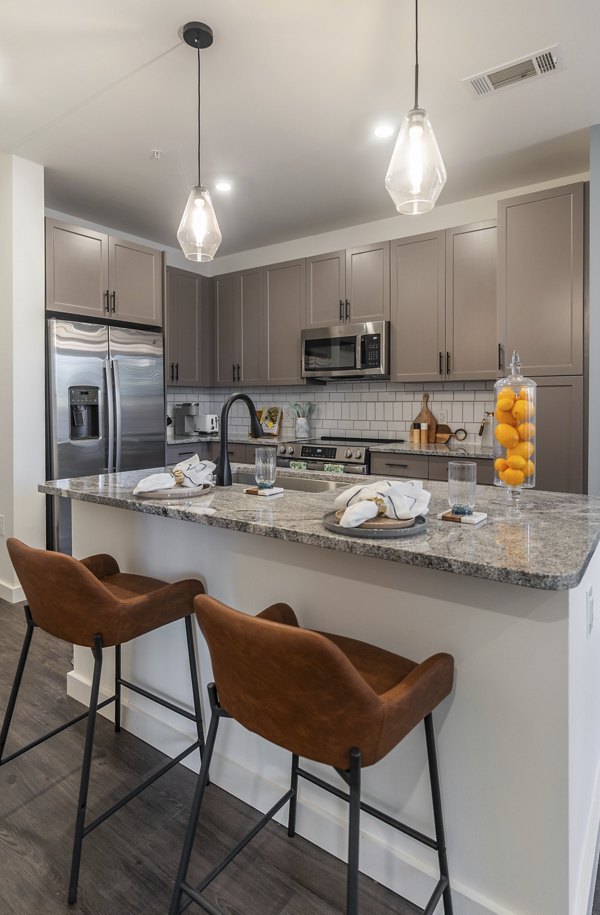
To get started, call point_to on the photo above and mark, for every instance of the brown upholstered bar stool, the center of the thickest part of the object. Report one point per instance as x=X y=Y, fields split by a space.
x=92 y=603
x=329 y=698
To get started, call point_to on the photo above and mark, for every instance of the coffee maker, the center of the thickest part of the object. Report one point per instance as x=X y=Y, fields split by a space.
x=186 y=418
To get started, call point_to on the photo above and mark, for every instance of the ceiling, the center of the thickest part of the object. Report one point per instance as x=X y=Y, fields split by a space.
x=291 y=92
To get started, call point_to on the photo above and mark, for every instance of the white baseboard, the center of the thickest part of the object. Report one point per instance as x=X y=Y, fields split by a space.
x=11 y=593
x=406 y=875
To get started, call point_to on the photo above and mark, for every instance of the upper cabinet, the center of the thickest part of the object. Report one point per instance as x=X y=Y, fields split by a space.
x=189 y=323
x=284 y=293
x=471 y=335
x=540 y=280
x=226 y=334
x=92 y=274
x=350 y=286
x=418 y=277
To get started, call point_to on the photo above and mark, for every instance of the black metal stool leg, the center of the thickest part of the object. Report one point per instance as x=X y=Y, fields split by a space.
x=353 y=833
x=85 y=771
x=188 y=844
x=294 y=797
x=437 y=810
x=16 y=682
x=195 y=684
x=117 y=688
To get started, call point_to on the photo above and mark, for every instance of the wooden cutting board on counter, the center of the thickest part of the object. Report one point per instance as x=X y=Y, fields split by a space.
x=426 y=416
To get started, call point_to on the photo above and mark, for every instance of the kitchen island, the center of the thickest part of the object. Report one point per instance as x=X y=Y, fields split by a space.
x=519 y=738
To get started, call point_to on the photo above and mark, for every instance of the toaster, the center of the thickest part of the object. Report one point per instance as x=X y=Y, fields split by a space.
x=208 y=422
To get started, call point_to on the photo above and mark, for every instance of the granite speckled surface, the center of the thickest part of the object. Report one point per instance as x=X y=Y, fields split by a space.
x=547 y=545
x=233 y=438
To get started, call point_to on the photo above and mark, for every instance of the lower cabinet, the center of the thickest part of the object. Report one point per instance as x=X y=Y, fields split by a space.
x=177 y=453
x=560 y=437
x=422 y=467
x=237 y=452
x=438 y=469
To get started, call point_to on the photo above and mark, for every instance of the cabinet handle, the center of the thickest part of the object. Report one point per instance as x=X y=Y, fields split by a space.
x=176 y=371
x=172 y=371
x=441 y=362
x=500 y=357
x=238 y=371
x=405 y=466
x=341 y=310
x=447 y=363
x=113 y=300
x=185 y=453
x=233 y=372
x=347 y=310
x=106 y=301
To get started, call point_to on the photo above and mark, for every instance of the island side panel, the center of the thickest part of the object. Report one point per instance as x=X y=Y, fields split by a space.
x=503 y=734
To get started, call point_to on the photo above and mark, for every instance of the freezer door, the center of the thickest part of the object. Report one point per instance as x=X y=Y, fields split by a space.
x=77 y=363
x=139 y=393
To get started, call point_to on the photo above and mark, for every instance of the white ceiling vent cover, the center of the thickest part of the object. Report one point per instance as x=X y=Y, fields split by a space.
x=517 y=71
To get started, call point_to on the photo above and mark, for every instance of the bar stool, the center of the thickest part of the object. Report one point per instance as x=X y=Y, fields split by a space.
x=329 y=698
x=92 y=603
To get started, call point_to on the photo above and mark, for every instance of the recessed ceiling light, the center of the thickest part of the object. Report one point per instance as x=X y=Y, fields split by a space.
x=223 y=185
x=384 y=130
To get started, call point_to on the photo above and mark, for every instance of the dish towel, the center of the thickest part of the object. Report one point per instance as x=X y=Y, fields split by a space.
x=191 y=474
x=391 y=498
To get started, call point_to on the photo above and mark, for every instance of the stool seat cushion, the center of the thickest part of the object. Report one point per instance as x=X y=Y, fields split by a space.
x=77 y=600
x=314 y=693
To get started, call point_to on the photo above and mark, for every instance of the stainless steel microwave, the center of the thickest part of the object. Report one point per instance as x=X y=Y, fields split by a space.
x=347 y=351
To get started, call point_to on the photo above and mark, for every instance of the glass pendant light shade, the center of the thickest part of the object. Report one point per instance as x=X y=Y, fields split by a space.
x=199 y=234
x=416 y=174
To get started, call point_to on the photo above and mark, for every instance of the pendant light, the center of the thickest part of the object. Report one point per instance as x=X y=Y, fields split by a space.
x=416 y=174
x=199 y=234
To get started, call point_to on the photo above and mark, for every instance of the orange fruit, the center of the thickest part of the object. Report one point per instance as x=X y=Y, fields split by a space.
x=523 y=410
x=503 y=417
x=526 y=431
x=529 y=469
x=516 y=462
x=507 y=435
x=507 y=392
x=500 y=464
x=524 y=394
x=505 y=404
x=523 y=449
x=513 y=477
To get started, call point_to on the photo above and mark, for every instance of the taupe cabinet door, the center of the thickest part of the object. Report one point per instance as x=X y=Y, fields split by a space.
x=76 y=270
x=560 y=462
x=189 y=329
x=540 y=280
x=283 y=309
x=471 y=332
x=250 y=326
x=368 y=283
x=226 y=335
x=325 y=289
x=135 y=280
x=418 y=296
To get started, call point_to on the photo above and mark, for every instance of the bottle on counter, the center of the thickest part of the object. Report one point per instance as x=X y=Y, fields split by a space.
x=424 y=436
x=415 y=433
x=514 y=431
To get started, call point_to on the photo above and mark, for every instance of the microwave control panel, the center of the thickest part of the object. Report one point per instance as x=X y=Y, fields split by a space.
x=372 y=351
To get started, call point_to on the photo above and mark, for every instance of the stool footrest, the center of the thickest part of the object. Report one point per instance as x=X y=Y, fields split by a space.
x=164 y=702
x=141 y=787
x=378 y=814
x=53 y=733
x=437 y=894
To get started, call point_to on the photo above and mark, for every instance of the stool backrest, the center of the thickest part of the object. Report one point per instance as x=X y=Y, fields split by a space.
x=65 y=598
x=290 y=685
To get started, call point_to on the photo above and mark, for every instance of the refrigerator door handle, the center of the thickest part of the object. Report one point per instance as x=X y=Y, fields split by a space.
x=110 y=417
x=118 y=422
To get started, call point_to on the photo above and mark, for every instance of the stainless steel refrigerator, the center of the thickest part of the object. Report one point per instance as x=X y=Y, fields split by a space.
x=106 y=406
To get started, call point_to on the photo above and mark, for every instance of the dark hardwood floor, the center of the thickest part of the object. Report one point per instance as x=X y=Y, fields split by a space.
x=129 y=862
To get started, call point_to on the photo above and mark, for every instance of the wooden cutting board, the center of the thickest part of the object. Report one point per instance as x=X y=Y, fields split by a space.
x=426 y=416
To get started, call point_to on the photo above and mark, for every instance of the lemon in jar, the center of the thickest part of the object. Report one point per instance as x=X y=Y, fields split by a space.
x=507 y=435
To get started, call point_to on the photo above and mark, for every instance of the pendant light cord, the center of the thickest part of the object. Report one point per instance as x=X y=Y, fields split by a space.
x=416 y=53
x=199 y=172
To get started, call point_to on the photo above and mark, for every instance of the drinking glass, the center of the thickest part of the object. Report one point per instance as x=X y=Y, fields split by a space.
x=265 y=467
x=462 y=480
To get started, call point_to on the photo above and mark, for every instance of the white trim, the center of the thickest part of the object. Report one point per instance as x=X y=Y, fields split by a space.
x=12 y=593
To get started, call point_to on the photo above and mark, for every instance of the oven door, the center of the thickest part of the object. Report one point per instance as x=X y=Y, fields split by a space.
x=320 y=465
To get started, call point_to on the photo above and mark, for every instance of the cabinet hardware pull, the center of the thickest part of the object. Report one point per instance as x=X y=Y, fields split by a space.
x=396 y=465
x=106 y=297
x=500 y=357
x=113 y=299
x=185 y=453
x=447 y=363
x=341 y=310
x=233 y=372
x=441 y=360
x=238 y=371
x=172 y=371
x=347 y=310
x=176 y=371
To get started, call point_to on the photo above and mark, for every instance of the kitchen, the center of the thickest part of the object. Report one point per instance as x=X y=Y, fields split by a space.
x=385 y=409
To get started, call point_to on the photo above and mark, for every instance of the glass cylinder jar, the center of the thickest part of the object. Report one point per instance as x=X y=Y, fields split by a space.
x=514 y=430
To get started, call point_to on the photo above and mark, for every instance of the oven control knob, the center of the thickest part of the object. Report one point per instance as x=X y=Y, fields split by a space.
x=282 y=449
x=348 y=454
x=290 y=450
x=357 y=454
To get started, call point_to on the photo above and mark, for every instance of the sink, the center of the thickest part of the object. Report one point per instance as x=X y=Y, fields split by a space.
x=295 y=483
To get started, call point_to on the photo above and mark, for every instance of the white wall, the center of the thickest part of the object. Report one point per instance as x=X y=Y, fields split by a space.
x=594 y=305
x=22 y=464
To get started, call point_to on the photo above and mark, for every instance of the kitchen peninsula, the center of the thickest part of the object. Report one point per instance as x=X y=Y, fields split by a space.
x=519 y=738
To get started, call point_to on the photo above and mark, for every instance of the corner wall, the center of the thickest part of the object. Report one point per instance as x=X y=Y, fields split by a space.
x=594 y=316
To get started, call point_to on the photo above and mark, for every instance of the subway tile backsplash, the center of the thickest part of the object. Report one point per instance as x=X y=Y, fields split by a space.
x=384 y=408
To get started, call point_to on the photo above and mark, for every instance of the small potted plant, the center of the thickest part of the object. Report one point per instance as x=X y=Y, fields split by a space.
x=303 y=412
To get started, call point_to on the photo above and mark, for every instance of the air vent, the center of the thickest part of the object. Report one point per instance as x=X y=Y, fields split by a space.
x=517 y=71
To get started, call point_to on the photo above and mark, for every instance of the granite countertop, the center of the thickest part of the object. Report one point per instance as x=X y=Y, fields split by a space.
x=232 y=438
x=547 y=545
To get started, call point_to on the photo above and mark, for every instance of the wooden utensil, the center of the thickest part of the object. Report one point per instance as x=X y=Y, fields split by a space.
x=426 y=416
x=444 y=434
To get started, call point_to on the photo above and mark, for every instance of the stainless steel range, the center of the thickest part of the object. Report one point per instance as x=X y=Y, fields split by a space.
x=351 y=453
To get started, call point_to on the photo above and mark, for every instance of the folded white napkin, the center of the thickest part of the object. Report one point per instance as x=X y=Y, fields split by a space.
x=402 y=500
x=194 y=473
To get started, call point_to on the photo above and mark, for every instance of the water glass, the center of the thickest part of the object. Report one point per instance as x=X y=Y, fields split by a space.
x=462 y=480
x=265 y=467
